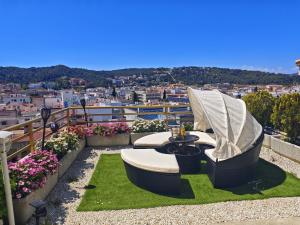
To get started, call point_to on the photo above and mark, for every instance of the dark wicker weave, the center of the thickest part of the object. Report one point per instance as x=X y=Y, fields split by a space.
x=168 y=183
x=237 y=170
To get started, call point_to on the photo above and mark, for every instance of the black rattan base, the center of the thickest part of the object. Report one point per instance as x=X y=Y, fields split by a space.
x=167 y=183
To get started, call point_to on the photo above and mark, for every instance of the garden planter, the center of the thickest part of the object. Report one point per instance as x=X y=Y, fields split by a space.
x=68 y=159
x=116 y=140
x=135 y=136
x=23 y=211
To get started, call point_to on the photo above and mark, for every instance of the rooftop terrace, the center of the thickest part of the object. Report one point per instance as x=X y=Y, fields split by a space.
x=95 y=189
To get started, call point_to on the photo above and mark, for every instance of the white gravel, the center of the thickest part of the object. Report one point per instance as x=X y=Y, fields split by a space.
x=65 y=198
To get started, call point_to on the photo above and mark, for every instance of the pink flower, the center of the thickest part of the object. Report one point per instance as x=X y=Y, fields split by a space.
x=31 y=173
x=25 y=189
x=18 y=196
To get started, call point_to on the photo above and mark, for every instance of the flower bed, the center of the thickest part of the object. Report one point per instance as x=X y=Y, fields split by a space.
x=22 y=210
x=108 y=134
x=67 y=145
x=36 y=174
x=30 y=172
x=141 y=128
x=62 y=143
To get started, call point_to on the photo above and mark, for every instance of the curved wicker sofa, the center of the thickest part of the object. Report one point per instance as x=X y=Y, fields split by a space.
x=236 y=170
x=152 y=170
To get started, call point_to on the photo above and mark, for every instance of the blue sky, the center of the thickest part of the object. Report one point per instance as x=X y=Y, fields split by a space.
x=110 y=34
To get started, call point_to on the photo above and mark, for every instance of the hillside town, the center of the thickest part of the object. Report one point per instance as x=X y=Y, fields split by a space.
x=149 y=112
x=18 y=105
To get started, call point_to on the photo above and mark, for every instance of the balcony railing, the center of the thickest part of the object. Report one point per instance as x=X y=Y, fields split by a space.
x=26 y=135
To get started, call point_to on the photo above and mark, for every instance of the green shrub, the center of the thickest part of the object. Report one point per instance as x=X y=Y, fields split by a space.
x=286 y=115
x=260 y=105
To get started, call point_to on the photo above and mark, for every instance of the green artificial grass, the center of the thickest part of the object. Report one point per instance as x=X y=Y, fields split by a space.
x=110 y=189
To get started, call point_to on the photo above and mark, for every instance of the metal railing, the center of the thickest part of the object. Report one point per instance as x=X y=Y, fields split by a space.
x=26 y=135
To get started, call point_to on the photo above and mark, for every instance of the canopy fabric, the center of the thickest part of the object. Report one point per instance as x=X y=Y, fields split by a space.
x=235 y=128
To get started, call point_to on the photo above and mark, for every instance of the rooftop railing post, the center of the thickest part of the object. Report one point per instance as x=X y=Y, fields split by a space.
x=31 y=138
x=68 y=117
x=166 y=113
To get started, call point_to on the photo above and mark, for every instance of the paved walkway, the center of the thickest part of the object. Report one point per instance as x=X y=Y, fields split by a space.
x=281 y=221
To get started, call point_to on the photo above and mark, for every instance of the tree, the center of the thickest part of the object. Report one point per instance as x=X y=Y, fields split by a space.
x=260 y=104
x=135 y=97
x=286 y=115
x=165 y=96
x=114 y=93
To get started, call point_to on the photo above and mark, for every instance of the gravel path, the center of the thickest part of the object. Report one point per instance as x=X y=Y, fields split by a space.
x=65 y=198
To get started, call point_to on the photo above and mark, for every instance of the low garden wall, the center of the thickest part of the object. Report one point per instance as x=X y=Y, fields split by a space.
x=101 y=141
x=281 y=147
x=68 y=159
x=23 y=211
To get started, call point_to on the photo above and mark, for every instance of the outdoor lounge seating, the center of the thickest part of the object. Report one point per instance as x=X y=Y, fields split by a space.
x=238 y=136
x=152 y=170
x=233 y=171
x=160 y=140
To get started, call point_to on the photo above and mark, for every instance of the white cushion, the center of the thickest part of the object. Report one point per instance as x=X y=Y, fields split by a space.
x=204 y=138
x=162 y=138
x=209 y=153
x=150 y=160
x=153 y=140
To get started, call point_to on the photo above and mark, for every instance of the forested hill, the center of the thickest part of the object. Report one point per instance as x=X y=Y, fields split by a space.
x=188 y=75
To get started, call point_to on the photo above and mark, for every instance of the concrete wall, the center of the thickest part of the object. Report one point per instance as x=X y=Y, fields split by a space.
x=281 y=147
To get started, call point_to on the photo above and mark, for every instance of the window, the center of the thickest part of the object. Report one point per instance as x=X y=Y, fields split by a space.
x=3 y=123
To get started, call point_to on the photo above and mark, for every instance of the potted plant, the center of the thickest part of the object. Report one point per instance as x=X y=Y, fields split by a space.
x=34 y=176
x=66 y=145
x=141 y=128
x=61 y=143
x=80 y=131
x=109 y=134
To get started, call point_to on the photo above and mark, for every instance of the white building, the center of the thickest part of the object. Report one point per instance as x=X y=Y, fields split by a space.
x=35 y=85
x=53 y=102
x=16 y=98
x=69 y=98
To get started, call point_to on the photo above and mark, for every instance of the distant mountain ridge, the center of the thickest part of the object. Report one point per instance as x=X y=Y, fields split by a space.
x=188 y=75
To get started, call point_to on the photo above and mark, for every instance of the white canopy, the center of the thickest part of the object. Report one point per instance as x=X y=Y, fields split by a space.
x=235 y=128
